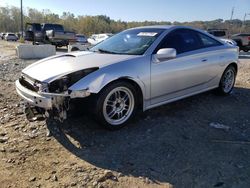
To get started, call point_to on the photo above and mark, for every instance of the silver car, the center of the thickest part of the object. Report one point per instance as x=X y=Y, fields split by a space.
x=139 y=68
x=10 y=36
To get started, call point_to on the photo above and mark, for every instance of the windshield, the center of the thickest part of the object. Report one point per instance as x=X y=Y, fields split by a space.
x=131 y=42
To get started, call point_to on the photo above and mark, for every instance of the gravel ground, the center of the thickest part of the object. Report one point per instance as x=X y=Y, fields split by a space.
x=202 y=141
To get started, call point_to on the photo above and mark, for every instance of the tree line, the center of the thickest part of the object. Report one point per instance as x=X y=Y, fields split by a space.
x=10 y=22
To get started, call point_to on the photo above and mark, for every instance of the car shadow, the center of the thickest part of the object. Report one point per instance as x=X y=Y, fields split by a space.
x=174 y=143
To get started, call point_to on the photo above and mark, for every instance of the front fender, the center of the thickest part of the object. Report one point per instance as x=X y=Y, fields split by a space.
x=137 y=70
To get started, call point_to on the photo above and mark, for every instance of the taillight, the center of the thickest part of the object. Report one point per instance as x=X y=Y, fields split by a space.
x=249 y=38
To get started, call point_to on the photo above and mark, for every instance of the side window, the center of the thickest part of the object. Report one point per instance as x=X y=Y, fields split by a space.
x=183 y=40
x=208 y=41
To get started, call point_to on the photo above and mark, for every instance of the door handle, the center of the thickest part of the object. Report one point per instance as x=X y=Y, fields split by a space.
x=204 y=60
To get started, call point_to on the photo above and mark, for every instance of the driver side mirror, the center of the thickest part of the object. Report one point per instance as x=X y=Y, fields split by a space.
x=165 y=54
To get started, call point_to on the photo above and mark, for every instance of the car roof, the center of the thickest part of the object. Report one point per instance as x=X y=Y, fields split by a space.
x=165 y=27
x=213 y=29
x=242 y=34
x=156 y=27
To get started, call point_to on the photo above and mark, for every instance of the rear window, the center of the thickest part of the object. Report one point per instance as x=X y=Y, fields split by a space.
x=48 y=27
x=58 y=28
x=218 y=33
x=10 y=34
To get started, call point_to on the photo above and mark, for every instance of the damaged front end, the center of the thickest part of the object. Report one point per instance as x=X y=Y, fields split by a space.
x=50 y=99
x=61 y=102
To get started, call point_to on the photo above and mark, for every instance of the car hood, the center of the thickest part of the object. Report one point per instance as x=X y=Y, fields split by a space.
x=49 y=69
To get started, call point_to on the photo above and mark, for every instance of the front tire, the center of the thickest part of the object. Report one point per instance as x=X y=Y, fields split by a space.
x=116 y=105
x=227 y=81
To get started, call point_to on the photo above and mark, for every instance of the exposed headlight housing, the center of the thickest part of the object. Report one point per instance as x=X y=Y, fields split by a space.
x=43 y=87
x=32 y=84
x=62 y=84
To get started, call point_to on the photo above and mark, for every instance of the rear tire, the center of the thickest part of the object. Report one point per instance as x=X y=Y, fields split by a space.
x=227 y=81
x=115 y=105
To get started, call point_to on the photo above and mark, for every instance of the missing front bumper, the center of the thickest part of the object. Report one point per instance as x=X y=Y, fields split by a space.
x=53 y=105
x=33 y=98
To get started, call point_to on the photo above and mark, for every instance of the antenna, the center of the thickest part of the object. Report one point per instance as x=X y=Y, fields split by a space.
x=244 y=20
x=232 y=14
x=229 y=25
x=22 y=18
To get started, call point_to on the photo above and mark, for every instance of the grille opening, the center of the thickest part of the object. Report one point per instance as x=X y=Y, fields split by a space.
x=28 y=85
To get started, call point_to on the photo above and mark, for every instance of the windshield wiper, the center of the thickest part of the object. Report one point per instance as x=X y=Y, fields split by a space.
x=105 y=51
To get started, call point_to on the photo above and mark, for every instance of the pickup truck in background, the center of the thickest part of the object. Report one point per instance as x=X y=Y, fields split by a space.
x=48 y=33
x=223 y=35
x=242 y=40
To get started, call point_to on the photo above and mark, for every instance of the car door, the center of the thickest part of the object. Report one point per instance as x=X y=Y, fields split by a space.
x=187 y=73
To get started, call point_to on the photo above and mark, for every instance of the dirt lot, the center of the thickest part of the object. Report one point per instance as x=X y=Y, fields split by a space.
x=202 y=141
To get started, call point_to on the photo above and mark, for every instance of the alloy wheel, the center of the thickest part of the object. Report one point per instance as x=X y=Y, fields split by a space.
x=118 y=105
x=228 y=80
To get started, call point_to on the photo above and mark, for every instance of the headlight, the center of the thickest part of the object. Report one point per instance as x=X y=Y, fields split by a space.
x=63 y=83
x=42 y=87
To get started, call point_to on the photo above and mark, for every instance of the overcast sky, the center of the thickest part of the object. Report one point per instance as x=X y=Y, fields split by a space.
x=141 y=10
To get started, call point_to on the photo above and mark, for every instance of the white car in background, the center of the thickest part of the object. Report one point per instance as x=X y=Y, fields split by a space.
x=97 y=38
x=81 y=39
x=10 y=36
